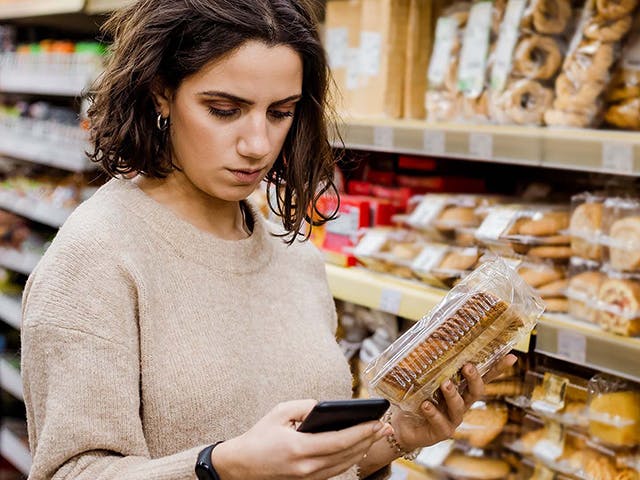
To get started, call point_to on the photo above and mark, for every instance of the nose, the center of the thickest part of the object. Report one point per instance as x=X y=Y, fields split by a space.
x=254 y=139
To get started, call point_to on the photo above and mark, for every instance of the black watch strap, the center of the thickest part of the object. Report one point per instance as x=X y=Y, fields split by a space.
x=204 y=468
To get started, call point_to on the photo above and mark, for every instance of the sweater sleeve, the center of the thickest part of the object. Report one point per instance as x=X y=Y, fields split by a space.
x=80 y=367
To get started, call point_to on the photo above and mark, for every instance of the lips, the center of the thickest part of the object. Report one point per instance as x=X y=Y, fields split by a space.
x=248 y=176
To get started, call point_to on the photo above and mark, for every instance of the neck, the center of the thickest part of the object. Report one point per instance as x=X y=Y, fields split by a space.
x=219 y=217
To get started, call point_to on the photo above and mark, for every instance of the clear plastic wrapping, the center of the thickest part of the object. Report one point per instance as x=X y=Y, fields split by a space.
x=614 y=412
x=623 y=94
x=387 y=250
x=585 y=226
x=586 y=72
x=482 y=424
x=443 y=266
x=618 y=306
x=583 y=288
x=528 y=58
x=478 y=322
x=622 y=227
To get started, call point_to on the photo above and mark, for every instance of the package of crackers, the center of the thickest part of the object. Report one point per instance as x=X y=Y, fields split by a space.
x=479 y=321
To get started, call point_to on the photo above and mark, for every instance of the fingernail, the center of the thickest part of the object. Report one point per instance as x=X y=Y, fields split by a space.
x=448 y=385
x=428 y=407
x=377 y=427
x=471 y=370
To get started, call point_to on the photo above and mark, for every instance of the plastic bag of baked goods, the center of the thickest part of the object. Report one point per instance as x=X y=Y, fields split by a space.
x=442 y=98
x=480 y=36
x=479 y=321
x=528 y=58
x=586 y=72
x=623 y=94
x=614 y=411
x=622 y=234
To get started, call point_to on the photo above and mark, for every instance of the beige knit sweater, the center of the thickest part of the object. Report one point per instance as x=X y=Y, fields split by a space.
x=146 y=339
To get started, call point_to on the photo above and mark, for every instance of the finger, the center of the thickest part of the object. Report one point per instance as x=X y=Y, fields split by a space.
x=475 y=385
x=336 y=469
x=455 y=403
x=441 y=426
x=330 y=443
x=293 y=411
x=503 y=365
x=319 y=466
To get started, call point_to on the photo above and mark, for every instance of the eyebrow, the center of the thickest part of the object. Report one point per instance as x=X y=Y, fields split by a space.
x=243 y=101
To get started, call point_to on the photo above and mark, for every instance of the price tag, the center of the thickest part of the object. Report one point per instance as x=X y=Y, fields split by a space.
x=427 y=211
x=496 y=223
x=572 y=346
x=434 y=143
x=371 y=243
x=481 y=145
x=390 y=301
x=383 y=137
x=617 y=157
x=430 y=257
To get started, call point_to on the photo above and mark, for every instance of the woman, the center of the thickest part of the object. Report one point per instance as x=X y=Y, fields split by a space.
x=166 y=317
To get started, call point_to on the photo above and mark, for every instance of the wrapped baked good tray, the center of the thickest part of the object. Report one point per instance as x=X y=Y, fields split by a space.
x=479 y=321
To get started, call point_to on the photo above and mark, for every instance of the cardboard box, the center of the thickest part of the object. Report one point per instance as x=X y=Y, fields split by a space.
x=342 y=42
x=383 y=40
x=418 y=53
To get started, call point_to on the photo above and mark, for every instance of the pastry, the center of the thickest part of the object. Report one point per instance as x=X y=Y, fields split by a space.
x=615 y=418
x=480 y=426
x=476 y=468
x=607 y=30
x=599 y=467
x=626 y=114
x=438 y=357
x=525 y=101
x=585 y=226
x=612 y=9
x=557 y=305
x=550 y=224
x=625 y=234
x=536 y=276
x=628 y=474
x=552 y=252
x=530 y=439
x=508 y=388
x=551 y=17
x=576 y=95
x=561 y=118
x=537 y=57
x=454 y=217
x=590 y=62
x=582 y=287
x=553 y=289
x=458 y=260
x=624 y=296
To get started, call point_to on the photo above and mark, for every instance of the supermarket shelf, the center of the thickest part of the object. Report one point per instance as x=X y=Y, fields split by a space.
x=105 y=6
x=563 y=337
x=38 y=211
x=21 y=262
x=584 y=150
x=44 y=151
x=11 y=310
x=33 y=8
x=12 y=449
x=558 y=336
x=10 y=380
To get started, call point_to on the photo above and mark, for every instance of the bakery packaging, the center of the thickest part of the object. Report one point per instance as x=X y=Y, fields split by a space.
x=618 y=306
x=443 y=265
x=582 y=293
x=479 y=321
x=623 y=234
x=585 y=226
x=614 y=412
x=528 y=57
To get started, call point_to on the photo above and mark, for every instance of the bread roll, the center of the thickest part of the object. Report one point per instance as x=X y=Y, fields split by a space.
x=623 y=295
x=550 y=224
x=540 y=275
x=585 y=285
x=476 y=468
x=585 y=224
x=626 y=233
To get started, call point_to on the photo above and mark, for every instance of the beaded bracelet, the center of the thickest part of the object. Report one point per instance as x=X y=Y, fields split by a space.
x=395 y=445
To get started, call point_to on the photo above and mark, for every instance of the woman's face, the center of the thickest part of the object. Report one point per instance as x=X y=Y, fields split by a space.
x=229 y=121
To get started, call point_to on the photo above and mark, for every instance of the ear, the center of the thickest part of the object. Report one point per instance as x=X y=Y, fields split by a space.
x=162 y=97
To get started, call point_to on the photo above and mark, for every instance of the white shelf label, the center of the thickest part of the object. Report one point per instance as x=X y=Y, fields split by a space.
x=434 y=142
x=481 y=145
x=617 y=157
x=496 y=223
x=371 y=243
x=390 y=301
x=572 y=346
x=383 y=137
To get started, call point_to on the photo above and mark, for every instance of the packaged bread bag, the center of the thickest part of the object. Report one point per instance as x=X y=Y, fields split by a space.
x=622 y=234
x=442 y=99
x=479 y=321
x=586 y=72
x=623 y=95
x=531 y=46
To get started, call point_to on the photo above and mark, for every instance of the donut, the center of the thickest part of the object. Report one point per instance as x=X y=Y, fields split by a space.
x=606 y=30
x=590 y=61
x=624 y=85
x=551 y=17
x=572 y=95
x=525 y=102
x=625 y=115
x=560 y=118
x=537 y=57
x=614 y=9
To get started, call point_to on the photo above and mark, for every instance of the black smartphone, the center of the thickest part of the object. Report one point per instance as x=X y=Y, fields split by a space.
x=339 y=414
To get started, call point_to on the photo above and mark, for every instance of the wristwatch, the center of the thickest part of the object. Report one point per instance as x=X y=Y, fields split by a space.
x=204 y=468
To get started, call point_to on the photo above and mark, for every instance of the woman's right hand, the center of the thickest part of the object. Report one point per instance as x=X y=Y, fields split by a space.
x=273 y=449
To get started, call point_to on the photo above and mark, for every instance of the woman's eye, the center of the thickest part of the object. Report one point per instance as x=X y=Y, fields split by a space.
x=279 y=115
x=223 y=113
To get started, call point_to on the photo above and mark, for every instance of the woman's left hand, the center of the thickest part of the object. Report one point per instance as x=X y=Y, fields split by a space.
x=433 y=426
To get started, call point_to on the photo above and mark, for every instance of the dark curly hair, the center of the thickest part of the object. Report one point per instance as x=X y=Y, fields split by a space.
x=169 y=40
